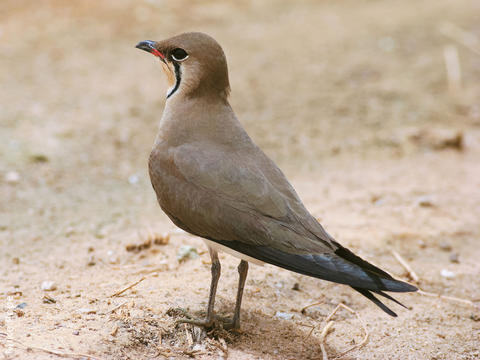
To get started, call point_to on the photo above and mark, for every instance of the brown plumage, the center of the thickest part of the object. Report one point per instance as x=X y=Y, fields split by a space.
x=214 y=182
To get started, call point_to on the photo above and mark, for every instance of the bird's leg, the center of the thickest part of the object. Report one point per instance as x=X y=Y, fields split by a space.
x=216 y=269
x=242 y=271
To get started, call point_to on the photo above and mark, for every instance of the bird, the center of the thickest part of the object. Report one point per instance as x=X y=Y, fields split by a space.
x=214 y=182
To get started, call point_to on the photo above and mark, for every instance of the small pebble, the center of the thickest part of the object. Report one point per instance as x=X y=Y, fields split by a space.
x=48 y=300
x=76 y=332
x=198 y=347
x=283 y=315
x=48 y=285
x=296 y=287
x=39 y=158
x=425 y=201
x=447 y=274
x=139 y=247
x=16 y=260
x=445 y=246
x=87 y=311
x=113 y=260
x=114 y=331
x=22 y=305
x=91 y=261
x=133 y=179
x=162 y=239
x=186 y=252
x=12 y=177
x=475 y=317
x=454 y=258
x=101 y=232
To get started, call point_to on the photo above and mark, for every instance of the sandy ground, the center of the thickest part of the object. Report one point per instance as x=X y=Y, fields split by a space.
x=351 y=98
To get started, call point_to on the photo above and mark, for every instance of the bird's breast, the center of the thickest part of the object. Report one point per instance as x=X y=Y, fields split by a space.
x=163 y=175
x=174 y=192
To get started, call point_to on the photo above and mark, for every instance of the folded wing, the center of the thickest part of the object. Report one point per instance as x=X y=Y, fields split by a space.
x=253 y=209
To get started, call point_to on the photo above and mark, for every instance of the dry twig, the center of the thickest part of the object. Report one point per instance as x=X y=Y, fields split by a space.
x=467 y=39
x=451 y=298
x=188 y=336
x=323 y=336
x=454 y=72
x=192 y=353
x=406 y=266
x=221 y=345
x=148 y=271
x=328 y=320
x=128 y=287
x=328 y=327
x=53 y=352
x=415 y=277
x=117 y=307
x=312 y=327
x=309 y=306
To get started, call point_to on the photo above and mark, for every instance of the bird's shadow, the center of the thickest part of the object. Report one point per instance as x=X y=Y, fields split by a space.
x=263 y=336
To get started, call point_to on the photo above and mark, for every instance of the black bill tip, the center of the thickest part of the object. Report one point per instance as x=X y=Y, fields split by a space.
x=147 y=45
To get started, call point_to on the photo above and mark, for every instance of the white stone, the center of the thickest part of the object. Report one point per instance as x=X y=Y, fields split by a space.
x=12 y=177
x=447 y=274
x=283 y=315
x=48 y=285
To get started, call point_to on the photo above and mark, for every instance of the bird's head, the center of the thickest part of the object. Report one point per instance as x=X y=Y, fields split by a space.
x=194 y=63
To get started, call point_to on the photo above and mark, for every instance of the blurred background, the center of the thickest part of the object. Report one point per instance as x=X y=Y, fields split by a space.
x=372 y=108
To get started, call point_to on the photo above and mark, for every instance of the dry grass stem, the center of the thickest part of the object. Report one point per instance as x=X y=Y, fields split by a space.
x=309 y=306
x=312 y=327
x=147 y=271
x=128 y=287
x=55 y=353
x=415 y=277
x=323 y=336
x=222 y=346
x=188 y=335
x=451 y=298
x=367 y=334
x=454 y=72
x=406 y=266
x=467 y=39
x=117 y=307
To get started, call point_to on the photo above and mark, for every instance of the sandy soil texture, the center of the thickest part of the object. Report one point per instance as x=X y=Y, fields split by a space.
x=372 y=108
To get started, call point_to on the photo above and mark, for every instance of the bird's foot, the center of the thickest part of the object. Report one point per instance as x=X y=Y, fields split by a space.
x=206 y=323
x=229 y=324
x=215 y=322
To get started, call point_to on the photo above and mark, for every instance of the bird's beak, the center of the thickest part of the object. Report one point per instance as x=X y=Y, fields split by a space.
x=149 y=46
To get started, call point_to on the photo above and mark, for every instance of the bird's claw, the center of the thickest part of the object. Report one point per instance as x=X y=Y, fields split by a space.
x=206 y=323
x=214 y=323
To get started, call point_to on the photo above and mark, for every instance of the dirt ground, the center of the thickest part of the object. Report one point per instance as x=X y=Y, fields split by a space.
x=351 y=98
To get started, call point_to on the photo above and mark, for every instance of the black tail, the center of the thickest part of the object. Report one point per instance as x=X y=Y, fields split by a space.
x=399 y=286
x=377 y=302
x=343 y=267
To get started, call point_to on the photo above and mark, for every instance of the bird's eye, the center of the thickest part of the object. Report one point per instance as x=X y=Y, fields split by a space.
x=179 y=54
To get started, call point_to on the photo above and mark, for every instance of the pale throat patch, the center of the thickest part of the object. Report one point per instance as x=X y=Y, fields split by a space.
x=174 y=76
x=170 y=72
